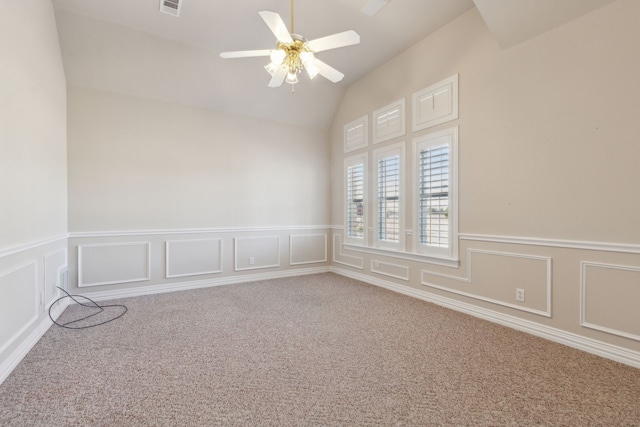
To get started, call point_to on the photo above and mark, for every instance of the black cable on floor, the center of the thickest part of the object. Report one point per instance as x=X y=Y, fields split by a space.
x=93 y=305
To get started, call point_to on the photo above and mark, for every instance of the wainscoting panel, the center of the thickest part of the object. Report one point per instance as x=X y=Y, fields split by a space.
x=610 y=299
x=112 y=263
x=512 y=271
x=54 y=263
x=19 y=301
x=340 y=258
x=253 y=253
x=307 y=248
x=392 y=270
x=193 y=257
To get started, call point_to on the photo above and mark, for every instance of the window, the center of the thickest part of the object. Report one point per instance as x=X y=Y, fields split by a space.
x=355 y=180
x=389 y=212
x=436 y=219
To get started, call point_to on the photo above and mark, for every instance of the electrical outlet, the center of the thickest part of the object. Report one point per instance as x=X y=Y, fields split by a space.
x=520 y=295
x=252 y=260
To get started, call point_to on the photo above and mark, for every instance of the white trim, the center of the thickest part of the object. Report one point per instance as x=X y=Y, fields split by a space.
x=257 y=267
x=379 y=154
x=609 y=351
x=32 y=245
x=409 y=256
x=15 y=357
x=307 y=235
x=60 y=268
x=38 y=301
x=583 y=298
x=557 y=243
x=222 y=230
x=168 y=275
x=468 y=279
x=199 y=284
x=452 y=84
x=430 y=139
x=82 y=284
x=337 y=249
x=362 y=142
x=348 y=162
x=375 y=268
x=398 y=105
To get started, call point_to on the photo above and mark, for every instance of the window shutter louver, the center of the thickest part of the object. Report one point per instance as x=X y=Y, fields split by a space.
x=434 y=196
x=389 y=199
x=355 y=201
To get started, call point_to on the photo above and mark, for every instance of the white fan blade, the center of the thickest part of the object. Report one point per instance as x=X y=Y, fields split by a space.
x=276 y=25
x=246 y=53
x=278 y=77
x=334 y=41
x=327 y=71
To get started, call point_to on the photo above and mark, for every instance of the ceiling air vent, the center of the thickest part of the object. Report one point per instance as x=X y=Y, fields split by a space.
x=371 y=7
x=171 y=7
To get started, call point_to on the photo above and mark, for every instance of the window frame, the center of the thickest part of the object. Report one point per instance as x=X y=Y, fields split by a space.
x=350 y=162
x=379 y=154
x=449 y=137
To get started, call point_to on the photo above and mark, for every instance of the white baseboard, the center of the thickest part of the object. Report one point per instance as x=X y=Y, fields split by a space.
x=198 y=284
x=609 y=351
x=16 y=356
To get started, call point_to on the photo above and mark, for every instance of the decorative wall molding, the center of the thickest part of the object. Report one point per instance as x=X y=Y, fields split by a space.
x=12 y=360
x=256 y=252
x=557 y=243
x=32 y=245
x=407 y=256
x=435 y=104
x=468 y=279
x=389 y=122
x=392 y=270
x=609 y=351
x=115 y=262
x=169 y=231
x=52 y=272
x=356 y=134
x=584 y=266
x=201 y=261
x=358 y=262
x=27 y=307
x=320 y=240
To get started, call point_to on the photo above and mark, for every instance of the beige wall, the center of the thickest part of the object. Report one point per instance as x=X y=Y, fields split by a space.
x=33 y=177
x=548 y=159
x=137 y=164
x=196 y=197
x=33 y=181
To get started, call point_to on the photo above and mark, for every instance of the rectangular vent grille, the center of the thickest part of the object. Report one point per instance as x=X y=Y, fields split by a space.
x=171 y=7
x=63 y=279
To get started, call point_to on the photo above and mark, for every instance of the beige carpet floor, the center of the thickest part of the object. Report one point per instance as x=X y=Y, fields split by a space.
x=315 y=350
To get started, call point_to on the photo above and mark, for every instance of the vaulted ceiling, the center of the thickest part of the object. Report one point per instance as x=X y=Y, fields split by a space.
x=129 y=47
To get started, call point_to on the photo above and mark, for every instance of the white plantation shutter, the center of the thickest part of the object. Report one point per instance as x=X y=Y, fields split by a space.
x=434 y=196
x=389 y=199
x=389 y=204
x=355 y=191
x=355 y=201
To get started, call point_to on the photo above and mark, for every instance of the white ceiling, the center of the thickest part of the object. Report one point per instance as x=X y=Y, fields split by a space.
x=129 y=47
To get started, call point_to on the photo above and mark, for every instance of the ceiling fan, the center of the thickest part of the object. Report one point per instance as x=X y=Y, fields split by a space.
x=293 y=53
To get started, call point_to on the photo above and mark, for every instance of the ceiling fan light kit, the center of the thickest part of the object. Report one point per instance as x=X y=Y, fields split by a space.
x=294 y=53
